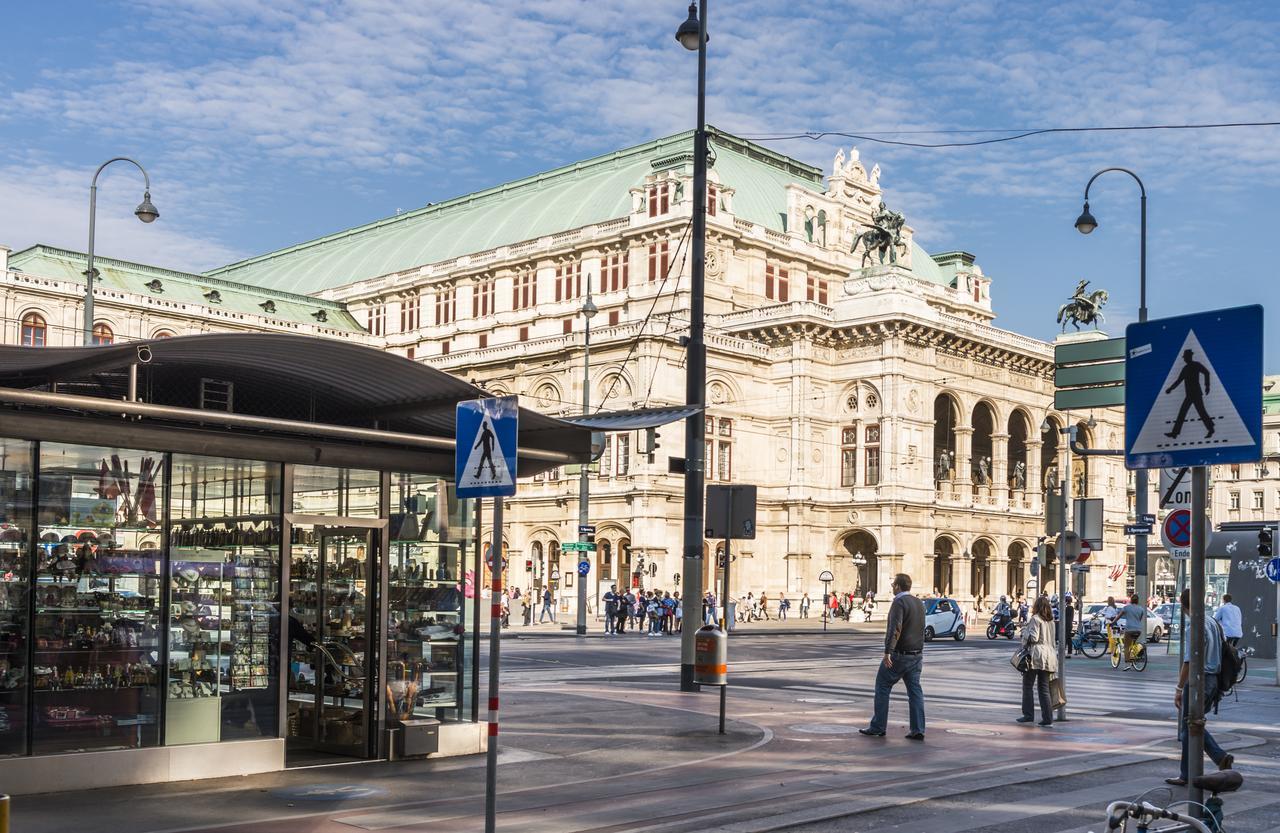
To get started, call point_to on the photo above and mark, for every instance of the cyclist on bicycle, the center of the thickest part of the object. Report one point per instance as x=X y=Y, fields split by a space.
x=1130 y=620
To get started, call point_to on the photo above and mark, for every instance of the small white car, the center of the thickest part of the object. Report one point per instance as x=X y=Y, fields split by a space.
x=943 y=617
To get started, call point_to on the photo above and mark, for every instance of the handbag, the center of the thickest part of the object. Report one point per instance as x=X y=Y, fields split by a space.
x=1057 y=692
x=1021 y=659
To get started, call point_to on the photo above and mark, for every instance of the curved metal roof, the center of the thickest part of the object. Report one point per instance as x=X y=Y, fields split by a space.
x=282 y=376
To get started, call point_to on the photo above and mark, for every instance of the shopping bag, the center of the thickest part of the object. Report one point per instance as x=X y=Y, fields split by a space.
x=1057 y=692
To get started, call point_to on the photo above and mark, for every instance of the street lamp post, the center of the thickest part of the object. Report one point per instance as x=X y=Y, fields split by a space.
x=1085 y=224
x=692 y=35
x=146 y=212
x=589 y=310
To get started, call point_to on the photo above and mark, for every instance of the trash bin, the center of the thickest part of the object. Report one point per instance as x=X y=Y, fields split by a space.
x=732 y=616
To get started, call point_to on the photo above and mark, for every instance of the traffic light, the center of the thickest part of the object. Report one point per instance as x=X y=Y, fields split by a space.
x=651 y=443
x=1264 y=542
x=528 y=565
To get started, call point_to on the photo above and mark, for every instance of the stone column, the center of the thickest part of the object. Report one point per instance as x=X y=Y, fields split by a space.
x=961 y=587
x=999 y=575
x=964 y=462
x=1034 y=475
x=1000 y=468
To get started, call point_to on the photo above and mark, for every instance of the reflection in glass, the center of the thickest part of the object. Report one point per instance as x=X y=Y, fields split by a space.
x=430 y=540
x=15 y=541
x=348 y=493
x=97 y=619
x=224 y=586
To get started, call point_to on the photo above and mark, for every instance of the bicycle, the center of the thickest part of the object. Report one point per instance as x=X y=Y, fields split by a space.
x=1146 y=813
x=1090 y=642
x=1137 y=655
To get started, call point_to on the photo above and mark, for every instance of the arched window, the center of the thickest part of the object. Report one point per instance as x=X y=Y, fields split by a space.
x=163 y=334
x=102 y=334
x=34 y=330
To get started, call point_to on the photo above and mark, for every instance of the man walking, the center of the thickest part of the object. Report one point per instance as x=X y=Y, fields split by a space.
x=547 y=609
x=903 y=658
x=1192 y=396
x=611 y=611
x=1232 y=622
x=1212 y=662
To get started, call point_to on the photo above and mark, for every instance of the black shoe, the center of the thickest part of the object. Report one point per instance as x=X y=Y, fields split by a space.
x=871 y=733
x=1025 y=719
x=915 y=736
x=1172 y=437
x=1176 y=782
x=1227 y=761
x=1045 y=723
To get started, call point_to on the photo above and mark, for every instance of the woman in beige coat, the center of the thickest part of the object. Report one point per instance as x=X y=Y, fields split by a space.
x=1039 y=640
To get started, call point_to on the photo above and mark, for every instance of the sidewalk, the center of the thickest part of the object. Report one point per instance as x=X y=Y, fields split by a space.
x=772 y=627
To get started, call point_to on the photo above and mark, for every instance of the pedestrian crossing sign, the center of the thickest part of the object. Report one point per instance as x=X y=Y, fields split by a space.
x=1193 y=389
x=485 y=455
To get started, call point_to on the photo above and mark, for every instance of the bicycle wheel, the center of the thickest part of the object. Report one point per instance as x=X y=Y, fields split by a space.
x=1093 y=647
x=1244 y=669
x=1116 y=650
x=1140 y=658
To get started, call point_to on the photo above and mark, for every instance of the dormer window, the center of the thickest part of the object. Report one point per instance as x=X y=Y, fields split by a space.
x=659 y=198
x=320 y=315
x=268 y=306
x=155 y=286
x=213 y=296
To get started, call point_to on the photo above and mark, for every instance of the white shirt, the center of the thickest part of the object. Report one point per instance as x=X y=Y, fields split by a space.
x=1229 y=617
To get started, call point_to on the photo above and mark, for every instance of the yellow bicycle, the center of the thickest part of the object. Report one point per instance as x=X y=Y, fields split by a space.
x=1115 y=646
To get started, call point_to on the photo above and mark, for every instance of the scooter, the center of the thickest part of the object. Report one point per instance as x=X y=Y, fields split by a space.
x=1002 y=625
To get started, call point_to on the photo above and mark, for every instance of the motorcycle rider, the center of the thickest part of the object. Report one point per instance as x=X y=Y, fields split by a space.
x=1002 y=616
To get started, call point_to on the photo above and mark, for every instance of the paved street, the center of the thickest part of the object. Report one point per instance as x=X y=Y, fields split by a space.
x=595 y=738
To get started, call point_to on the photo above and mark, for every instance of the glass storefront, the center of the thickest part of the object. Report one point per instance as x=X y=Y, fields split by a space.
x=141 y=601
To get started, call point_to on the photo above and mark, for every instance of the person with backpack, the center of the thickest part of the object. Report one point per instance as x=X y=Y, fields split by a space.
x=1214 y=645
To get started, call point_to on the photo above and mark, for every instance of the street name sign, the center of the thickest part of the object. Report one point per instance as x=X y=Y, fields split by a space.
x=1147 y=519
x=1193 y=389
x=1138 y=529
x=485 y=455
x=578 y=546
x=586 y=529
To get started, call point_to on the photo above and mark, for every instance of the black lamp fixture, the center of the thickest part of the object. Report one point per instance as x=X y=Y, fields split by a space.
x=687 y=34
x=146 y=211
x=1085 y=223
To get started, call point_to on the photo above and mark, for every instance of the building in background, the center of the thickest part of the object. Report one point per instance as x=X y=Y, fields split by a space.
x=889 y=425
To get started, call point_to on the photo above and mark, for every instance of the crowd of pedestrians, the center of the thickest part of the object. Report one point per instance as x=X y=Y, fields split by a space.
x=651 y=612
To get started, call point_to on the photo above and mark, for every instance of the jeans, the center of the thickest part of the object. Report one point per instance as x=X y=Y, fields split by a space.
x=1040 y=681
x=621 y=626
x=906 y=667
x=1215 y=752
x=546 y=611
x=610 y=621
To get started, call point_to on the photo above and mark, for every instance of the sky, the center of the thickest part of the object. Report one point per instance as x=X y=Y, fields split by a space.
x=268 y=122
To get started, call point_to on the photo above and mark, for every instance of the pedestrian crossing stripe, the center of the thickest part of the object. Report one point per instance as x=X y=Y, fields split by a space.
x=1192 y=391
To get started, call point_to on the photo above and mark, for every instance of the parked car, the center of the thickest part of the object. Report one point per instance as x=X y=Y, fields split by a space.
x=943 y=617
x=1154 y=627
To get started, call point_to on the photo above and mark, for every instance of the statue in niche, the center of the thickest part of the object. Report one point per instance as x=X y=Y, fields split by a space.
x=884 y=237
x=943 y=471
x=1082 y=483
x=1051 y=476
x=1020 y=476
x=982 y=471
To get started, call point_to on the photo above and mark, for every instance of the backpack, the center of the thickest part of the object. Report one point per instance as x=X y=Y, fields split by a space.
x=1228 y=665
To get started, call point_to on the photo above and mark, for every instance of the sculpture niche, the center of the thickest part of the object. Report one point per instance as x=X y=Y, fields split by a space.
x=1083 y=308
x=884 y=237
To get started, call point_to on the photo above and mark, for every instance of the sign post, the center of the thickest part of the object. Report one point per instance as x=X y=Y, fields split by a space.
x=485 y=466
x=1193 y=397
x=731 y=513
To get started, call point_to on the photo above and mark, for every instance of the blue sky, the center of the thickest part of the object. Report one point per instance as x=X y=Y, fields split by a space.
x=265 y=122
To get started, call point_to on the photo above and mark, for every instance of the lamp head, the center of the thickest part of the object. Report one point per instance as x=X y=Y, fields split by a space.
x=146 y=212
x=589 y=308
x=1085 y=223
x=688 y=32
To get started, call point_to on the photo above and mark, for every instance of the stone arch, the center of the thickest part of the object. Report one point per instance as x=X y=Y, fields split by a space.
x=722 y=390
x=1018 y=427
x=1019 y=554
x=614 y=385
x=945 y=551
x=861 y=399
x=946 y=419
x=982 y=419
x=860 y=544
x=607 y=549
x=33 y=328
x=981 y=553
x=547 y=394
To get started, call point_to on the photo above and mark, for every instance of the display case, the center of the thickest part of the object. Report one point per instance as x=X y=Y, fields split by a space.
x=16 y=516
x=96 y=623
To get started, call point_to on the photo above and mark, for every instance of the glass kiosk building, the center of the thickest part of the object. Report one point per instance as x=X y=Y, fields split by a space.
x=232 y=553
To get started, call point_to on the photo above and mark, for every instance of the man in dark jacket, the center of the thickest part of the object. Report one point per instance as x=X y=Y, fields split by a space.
x=903 y=657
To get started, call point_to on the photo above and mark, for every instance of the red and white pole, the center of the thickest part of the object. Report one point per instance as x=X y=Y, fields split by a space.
x=496 y=565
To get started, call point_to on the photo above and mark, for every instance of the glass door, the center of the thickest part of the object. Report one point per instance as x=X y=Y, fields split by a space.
x=331 y=656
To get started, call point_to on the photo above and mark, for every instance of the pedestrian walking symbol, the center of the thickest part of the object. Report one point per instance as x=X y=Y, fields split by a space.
x=485 y=457
x=1193 y=389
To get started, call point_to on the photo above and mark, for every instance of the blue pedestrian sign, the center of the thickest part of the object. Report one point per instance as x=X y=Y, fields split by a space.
x=1193 y=389
x=485 y=456
x=584 y=567
x=1273 y=569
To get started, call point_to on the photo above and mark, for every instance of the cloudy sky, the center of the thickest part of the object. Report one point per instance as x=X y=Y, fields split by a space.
x=268 y=122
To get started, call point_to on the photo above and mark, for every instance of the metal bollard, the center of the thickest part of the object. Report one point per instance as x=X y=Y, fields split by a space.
x=4 y=814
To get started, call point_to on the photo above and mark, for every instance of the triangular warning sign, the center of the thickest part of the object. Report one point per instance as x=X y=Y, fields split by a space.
x=1192 y=409
x=486 y=464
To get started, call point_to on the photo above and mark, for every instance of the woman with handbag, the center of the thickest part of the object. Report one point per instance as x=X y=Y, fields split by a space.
x=1038 y=660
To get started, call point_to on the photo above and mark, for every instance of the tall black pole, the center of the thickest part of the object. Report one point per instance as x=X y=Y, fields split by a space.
x=696 y=371
x=1141 y=584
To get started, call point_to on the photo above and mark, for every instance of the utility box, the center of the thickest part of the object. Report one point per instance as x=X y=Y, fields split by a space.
x=417 y=737
x=710 y=656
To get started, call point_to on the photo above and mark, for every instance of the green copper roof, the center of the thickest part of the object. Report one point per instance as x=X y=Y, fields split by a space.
x=587 y=192
x=181 y=287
